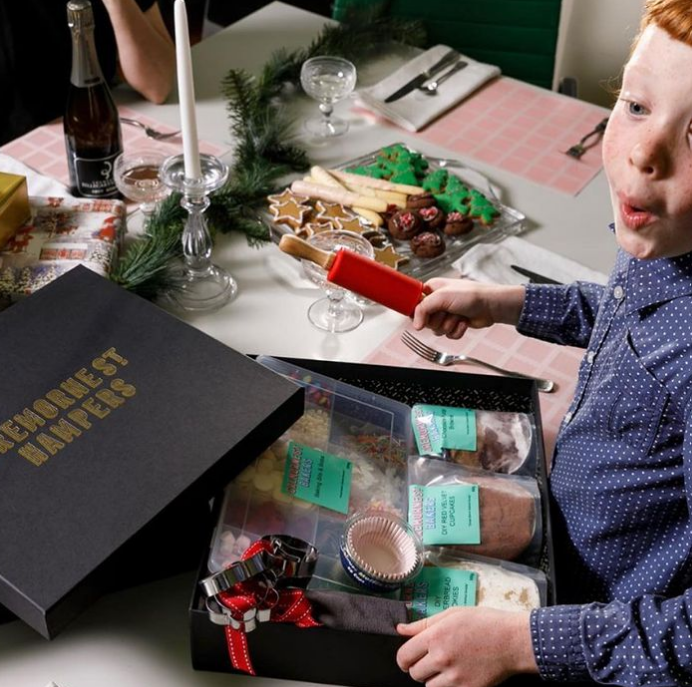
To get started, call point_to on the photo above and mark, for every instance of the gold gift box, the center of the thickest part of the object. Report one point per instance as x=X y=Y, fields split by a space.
x=14 y=205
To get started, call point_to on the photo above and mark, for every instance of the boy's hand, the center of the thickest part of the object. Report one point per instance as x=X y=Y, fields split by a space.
x=454 y=305
x=467 y=647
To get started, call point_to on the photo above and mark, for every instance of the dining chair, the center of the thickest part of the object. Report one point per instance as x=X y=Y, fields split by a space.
x=520 y=36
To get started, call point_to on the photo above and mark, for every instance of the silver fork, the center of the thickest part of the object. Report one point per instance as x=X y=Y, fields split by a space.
x=151 y=133
x=431 y=87
x=578 y=149
x=435 y=356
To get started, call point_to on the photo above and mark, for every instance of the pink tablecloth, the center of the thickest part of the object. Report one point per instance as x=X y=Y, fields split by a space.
x=43 y=149
x=521 y=129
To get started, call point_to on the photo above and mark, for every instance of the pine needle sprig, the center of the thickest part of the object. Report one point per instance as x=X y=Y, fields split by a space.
x=144 y=267
x=264 y=148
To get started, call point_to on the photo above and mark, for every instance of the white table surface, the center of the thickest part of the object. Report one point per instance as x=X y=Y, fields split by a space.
x=139 y=637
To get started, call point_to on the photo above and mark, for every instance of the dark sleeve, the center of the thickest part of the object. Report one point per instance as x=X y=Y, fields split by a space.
x=561 y=314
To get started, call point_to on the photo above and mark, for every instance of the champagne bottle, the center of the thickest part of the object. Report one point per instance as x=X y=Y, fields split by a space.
x=93 y=138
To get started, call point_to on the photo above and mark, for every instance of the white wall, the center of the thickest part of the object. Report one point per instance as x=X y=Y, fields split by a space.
x=593 y=44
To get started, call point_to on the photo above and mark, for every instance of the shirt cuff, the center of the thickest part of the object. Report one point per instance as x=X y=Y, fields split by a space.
x=543 y=311
x=557 y=644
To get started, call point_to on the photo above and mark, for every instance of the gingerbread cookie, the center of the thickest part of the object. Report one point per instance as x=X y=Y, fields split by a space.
x=331 y=212
x=285 y=197
x=377 y=239
x=353 y=224
x=388 y=256
x=319 y=227
x=291 y=213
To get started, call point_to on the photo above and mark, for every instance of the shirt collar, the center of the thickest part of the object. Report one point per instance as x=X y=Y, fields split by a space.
x=654 y=281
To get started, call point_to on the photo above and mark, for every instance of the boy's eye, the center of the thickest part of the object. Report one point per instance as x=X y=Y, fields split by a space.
x=635 y=108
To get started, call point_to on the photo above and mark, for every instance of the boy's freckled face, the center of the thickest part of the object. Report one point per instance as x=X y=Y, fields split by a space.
x=647 y=149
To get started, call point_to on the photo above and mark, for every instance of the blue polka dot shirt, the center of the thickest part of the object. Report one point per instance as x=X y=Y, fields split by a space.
x=621 y=482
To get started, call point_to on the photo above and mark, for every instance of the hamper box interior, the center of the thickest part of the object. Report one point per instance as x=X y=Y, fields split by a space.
x=352 y=419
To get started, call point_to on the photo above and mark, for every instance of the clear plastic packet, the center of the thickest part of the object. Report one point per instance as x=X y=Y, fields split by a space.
x=494 y=515
x=478 y=439
x=370 y=432
x=497 y=584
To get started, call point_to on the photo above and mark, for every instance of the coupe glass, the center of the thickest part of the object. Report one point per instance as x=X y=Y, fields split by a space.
x=338 y=311
x=137 y=177
x=328 y=80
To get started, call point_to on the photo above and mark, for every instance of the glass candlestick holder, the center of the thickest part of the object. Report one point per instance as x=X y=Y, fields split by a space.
x=199 y=284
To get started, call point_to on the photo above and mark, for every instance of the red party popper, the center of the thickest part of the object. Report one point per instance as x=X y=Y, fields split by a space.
x=361 y=275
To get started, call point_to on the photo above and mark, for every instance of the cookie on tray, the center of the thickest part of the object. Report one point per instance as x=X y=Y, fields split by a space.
x=427 y=244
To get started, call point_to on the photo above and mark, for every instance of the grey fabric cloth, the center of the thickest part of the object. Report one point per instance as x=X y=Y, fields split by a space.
x=358 y=613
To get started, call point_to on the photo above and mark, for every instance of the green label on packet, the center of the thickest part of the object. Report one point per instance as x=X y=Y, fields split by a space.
x=440 y=427
x=317 y=477
x=437 y=589
x=447 y=514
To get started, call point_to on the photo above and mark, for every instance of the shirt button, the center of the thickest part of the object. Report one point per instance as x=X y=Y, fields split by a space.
x=618 y=292
x=568 y=417
x=590 y=356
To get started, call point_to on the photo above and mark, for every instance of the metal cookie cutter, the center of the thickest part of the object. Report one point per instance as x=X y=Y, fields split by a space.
x=220 y=615
x=291 y=560
x=240 y=571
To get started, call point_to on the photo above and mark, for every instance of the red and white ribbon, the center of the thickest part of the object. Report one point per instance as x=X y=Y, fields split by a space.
x=290 y=606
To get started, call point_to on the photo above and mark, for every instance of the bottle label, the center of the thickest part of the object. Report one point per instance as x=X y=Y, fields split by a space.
x=94 y=176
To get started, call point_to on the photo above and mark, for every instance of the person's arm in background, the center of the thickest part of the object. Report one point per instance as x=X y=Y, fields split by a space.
x=146 y=53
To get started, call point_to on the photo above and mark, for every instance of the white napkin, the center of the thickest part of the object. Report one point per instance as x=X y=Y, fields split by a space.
x=39 y=185
x=490 y=262
x=416 y=109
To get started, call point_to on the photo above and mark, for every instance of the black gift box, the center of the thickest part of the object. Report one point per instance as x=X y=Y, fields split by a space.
x=333 y=654
x=116 y=419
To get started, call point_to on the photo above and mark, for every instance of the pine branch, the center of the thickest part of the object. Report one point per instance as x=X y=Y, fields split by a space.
x=264 y=151
x=144 y=267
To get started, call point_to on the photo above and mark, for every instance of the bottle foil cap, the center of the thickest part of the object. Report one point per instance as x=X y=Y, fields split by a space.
x=80 y=14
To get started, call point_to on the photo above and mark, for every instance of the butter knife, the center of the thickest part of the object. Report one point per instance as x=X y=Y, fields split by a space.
x=534 y=276
x=419 y=80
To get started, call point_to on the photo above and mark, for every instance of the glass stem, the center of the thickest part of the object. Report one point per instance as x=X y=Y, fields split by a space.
x=196 y=240
x=326 y=109
x=335 y=310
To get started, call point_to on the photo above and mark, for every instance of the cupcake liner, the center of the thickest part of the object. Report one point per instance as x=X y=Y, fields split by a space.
x=380 y=550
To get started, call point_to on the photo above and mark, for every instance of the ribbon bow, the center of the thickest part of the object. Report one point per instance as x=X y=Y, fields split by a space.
x=259 y=599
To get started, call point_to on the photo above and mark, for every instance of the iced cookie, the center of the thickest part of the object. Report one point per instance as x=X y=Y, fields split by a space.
x=457 y=224
x=388 y=256
x=291 y=213
x=404 y=225
x=432 y=218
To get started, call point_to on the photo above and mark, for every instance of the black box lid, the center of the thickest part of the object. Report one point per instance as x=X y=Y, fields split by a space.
x=112 y=412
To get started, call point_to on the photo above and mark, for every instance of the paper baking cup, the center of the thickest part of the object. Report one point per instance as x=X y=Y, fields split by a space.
x=380 y=551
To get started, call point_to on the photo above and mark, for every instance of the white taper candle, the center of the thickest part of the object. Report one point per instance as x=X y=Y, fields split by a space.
x=186 y=93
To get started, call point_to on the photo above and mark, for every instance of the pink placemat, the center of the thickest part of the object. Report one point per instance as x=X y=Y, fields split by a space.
x=522 y=129
x=43 y=148
x=504 y=346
